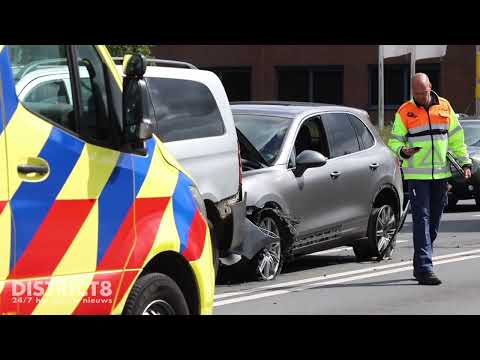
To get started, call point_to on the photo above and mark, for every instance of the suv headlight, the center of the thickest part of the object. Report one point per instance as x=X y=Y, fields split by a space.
x=198 y=200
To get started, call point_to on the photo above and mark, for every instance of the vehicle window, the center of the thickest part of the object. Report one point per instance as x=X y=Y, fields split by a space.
x=52 y=92
x=32 y=62
x=341 y=135
x=266 y=133
x=310 y=137
x=472 y=135
x=184 y=109
x=365 y=138
x=94 y=122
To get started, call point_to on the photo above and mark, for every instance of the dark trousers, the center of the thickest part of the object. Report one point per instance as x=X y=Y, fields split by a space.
x=428 y=199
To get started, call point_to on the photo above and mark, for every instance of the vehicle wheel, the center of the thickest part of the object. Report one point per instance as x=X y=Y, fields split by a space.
x=156 y=294
x=452 y=203
x=268 y=263
x=215 y=256
x=382 y=229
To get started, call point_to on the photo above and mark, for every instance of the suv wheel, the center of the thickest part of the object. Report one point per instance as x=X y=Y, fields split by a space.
x=268 y=263
x=382 y=229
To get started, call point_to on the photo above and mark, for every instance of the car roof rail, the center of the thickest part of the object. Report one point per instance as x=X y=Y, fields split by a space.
x=161 y=62
x=36 y=64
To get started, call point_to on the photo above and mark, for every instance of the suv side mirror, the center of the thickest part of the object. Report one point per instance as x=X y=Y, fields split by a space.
x=308 y=159
x=137 y=105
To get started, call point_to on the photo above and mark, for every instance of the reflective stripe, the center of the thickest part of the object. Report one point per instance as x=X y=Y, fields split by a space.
x=399 y=138
x=454 y=131
x=441 y=137
x=419 y=129
x=426 y=171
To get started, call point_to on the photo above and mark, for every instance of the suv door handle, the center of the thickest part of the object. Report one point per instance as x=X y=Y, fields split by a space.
x=374 y=166
x=335 y=174
x=35 y=169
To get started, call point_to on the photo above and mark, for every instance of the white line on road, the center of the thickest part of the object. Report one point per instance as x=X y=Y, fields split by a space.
x=342 y=248
x=339 y=281
x=332 y=276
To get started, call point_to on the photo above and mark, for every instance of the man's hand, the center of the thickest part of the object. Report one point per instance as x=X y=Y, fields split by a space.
x=468 y=172
x=409 y=151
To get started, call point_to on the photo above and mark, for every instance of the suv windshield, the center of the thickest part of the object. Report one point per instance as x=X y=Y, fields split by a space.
x=266 y=133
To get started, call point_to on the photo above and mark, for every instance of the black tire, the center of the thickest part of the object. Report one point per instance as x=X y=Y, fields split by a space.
x=452 y=203
x=253 y=266
x=374 y=246
x=361 y=249
x=159 y=293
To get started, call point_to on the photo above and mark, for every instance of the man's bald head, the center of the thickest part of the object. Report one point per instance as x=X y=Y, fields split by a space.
x=421 y=88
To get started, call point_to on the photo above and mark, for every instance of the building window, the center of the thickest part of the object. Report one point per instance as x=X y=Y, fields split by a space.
x=236 y=81
x=312 y=84
x=397 y=83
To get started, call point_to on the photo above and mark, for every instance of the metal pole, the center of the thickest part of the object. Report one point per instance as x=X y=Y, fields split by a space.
x=412 y=67
x=380 y=88
x=477 y=83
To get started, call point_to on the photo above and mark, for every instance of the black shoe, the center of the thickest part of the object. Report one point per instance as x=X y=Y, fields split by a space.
x=427 y=278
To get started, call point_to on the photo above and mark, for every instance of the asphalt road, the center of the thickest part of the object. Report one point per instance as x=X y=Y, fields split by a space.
x=332 y=282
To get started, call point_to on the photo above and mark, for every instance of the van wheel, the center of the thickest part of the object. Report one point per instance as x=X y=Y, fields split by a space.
x=268 y=263
x=382 y=229
x=156 y=294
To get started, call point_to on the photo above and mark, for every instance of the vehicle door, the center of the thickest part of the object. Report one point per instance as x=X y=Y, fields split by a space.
x=195 y=123
x=71 y=189
x=346 y=168
x=371 y=168
x=310 y=193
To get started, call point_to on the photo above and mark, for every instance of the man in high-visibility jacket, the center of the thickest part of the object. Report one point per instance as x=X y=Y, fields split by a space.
x=425 y=128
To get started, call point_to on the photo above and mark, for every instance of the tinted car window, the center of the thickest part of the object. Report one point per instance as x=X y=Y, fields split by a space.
x=365 y=138
x=184 y=109
x=341 y=135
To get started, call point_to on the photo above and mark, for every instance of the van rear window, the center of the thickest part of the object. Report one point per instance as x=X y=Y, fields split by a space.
x=184 y=109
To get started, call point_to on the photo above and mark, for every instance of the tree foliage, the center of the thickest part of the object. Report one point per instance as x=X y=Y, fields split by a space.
x=121 y=50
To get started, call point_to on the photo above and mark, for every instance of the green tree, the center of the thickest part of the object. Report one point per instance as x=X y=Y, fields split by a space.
x=120 y=50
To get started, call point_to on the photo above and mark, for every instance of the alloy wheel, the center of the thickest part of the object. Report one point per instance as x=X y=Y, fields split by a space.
x=269 y=261
x=385 y=227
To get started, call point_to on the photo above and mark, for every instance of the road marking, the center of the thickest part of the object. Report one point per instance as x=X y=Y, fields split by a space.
x=332 y=282
x=343 y=248
x=332 y=276
x=476 y=215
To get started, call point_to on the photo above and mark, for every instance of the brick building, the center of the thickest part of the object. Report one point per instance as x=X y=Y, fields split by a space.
x=339 y=74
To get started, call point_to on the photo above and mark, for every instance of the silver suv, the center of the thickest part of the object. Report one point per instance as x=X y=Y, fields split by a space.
x=318 y=176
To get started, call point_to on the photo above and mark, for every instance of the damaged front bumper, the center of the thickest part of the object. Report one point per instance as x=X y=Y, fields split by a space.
x=248 y=239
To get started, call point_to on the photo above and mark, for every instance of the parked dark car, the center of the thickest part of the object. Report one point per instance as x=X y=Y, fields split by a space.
x=317 y=176
x=461 y=189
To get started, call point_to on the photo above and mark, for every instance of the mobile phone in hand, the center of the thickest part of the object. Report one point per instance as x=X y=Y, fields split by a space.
x=417 y=148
